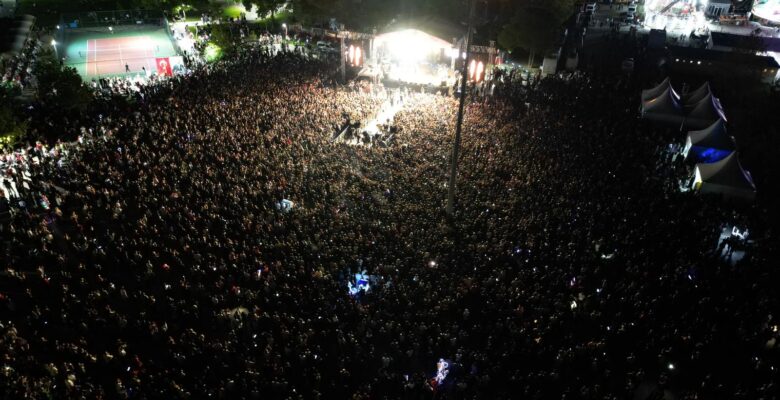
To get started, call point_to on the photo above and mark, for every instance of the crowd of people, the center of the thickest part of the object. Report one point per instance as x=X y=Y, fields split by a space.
x=153 y=262
x=17 y=70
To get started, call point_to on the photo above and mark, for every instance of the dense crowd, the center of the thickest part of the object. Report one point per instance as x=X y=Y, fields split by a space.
x=153 y=262
x=16 y=71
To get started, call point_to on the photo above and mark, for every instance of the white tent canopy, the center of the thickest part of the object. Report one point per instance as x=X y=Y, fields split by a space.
x=704 y=113
x=649 y=94
x=725 y=177
x=664 y=108
x=713 y=137
x=697 y=95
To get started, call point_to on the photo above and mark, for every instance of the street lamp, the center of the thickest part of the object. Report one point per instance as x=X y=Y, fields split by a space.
x=111 y=29
x=284 y=26
x=54 y=45
x=456 y=144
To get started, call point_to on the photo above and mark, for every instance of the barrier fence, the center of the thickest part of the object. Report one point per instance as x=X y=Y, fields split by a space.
x=102 y=19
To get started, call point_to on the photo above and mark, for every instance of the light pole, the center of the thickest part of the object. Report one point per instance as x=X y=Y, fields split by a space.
x=284 y=26
x=456 y=146
x=54 y=45
x=342 y=63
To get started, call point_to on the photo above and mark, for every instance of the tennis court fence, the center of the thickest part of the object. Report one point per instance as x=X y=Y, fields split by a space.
x=114 y=18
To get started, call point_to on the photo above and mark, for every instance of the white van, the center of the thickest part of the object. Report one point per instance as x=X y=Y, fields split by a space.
x=591 y=7
x=326 y=47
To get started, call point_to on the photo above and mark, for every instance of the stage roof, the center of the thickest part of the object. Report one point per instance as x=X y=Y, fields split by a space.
x=433 y=26
x=415 y=36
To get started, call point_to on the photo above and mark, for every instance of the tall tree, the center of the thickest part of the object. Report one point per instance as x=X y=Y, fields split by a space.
x=536 y=26
x=360 y=14
x=60 y=87
x=265 y=7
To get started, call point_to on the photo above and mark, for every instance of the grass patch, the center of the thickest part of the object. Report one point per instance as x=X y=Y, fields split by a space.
x=233 y=11
x=276 y=24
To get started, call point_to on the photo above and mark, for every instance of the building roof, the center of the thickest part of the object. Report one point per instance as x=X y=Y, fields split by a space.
x=688 y=53
x=14 y=32
x=758 y=43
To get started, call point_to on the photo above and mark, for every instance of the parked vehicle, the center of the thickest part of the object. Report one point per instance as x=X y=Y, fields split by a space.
x=326 y=47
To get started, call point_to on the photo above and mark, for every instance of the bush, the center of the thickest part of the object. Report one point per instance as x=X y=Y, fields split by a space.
x=12 y=131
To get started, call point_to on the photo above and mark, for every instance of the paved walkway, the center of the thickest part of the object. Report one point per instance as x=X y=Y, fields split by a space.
x=386 y=112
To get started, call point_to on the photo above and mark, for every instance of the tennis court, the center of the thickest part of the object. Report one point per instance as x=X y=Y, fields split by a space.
x=98 y=52
x=110 y=56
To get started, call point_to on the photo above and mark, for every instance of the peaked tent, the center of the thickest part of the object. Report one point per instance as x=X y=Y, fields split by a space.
x=649 y=94
x=665 y=108
x=706 y=112
x=709 y=145
x=725 y=177
x=697 y=95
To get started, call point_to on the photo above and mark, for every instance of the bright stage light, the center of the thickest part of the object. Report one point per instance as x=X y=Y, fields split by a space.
x=361 y=284
x=407 y=47
x=442 y=370
x=412 y=45
x=354 y=54
x=414 y=56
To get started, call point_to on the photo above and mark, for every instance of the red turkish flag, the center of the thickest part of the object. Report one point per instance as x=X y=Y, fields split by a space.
x=164 y=67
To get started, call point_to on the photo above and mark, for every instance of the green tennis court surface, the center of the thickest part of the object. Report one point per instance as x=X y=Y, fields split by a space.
x=101 y=54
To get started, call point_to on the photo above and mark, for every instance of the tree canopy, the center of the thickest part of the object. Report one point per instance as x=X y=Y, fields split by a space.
x=58 y=86
x=535 y=25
